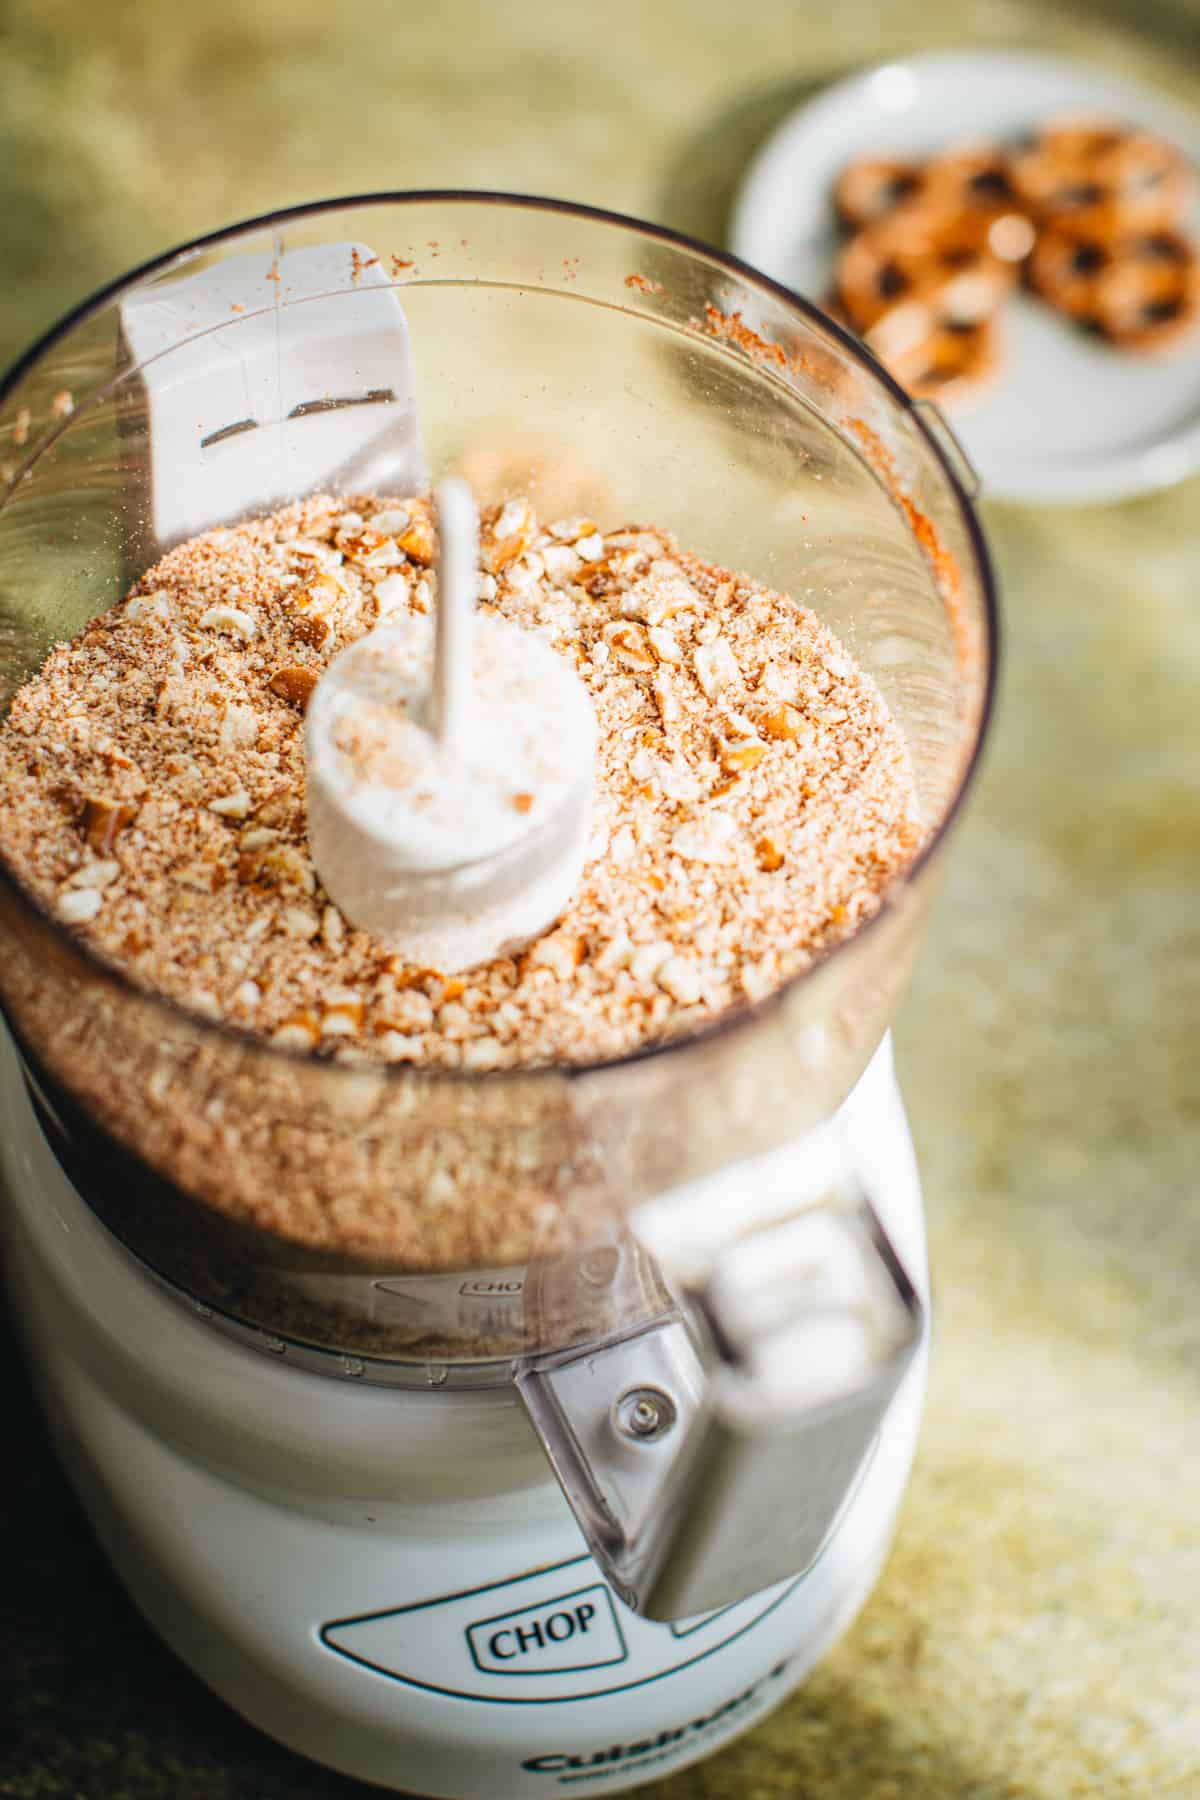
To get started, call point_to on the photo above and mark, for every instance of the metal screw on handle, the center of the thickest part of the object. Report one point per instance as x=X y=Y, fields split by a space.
x=645 y=1414
x=948 y=441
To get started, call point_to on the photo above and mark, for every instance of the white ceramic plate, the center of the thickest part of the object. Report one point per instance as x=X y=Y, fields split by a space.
x=1069 y=419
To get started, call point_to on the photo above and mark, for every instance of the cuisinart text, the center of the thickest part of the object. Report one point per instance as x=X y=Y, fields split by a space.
x=557 y=1761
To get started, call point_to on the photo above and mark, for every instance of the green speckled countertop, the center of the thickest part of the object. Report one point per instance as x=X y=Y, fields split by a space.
x=1036 y=1634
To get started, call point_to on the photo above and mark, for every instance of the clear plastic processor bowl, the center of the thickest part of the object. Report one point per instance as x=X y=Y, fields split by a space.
x=605 y=367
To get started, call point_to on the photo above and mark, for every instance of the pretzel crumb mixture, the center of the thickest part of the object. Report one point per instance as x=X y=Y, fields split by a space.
x=753 y=801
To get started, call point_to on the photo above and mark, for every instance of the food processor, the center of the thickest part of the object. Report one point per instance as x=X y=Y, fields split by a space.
x=484 y=1434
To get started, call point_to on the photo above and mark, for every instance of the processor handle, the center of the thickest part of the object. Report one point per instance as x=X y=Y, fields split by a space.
x=709 y=1455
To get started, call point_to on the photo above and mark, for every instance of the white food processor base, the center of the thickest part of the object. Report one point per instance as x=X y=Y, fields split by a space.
x=389 y=1580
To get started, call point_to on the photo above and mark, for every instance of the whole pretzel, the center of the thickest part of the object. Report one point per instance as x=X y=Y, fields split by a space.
x=1140 y=292
x=1066 y=268
x=1101 y=176
x=972 y=179
x=945 y=265
x=949 y=364
x=1150 y=295
x=867 y=190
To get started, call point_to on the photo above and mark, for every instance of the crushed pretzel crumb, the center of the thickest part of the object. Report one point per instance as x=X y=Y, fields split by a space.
x=753 y=796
